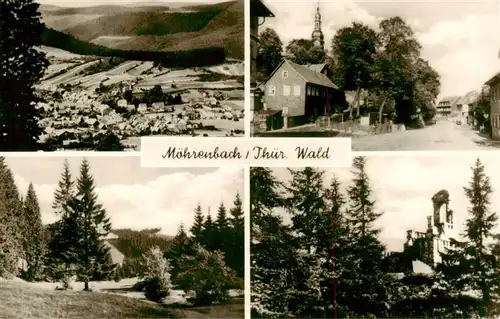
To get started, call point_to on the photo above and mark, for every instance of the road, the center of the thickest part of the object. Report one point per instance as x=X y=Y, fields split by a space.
x=444 y=135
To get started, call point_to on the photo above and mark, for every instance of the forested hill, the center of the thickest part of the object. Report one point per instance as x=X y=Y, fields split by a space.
x=154 y=28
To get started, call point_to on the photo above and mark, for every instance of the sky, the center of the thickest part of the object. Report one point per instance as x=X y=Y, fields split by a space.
x=134 y=197
x=85 y=3
x=459 y=38
x=403 y=193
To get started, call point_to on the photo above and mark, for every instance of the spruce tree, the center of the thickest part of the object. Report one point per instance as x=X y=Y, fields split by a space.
x=92 y=224
x=306 y=205
x=209 y=232
x=236 y=257
x=12 y=220
x=197 y=228
x=180 y=246
x=21 y=67
x=34 y=243
x=364 y=284
x=473 y=265
x=222 y=234
x=65 y=190
x=60 y=245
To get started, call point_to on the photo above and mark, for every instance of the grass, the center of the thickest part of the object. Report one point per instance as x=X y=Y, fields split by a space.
x=23 y=300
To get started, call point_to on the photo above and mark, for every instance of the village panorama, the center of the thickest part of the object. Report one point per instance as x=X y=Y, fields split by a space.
x=107 y=75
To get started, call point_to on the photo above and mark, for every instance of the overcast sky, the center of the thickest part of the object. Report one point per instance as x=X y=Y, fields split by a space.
x=403 y=186
x=459 y=38
x=85 y=3
x=135 y=197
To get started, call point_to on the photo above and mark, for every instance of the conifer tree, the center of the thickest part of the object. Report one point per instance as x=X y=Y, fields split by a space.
x=34 y=244
x=21 y=68
x=473 y=264
x=180 y=246
x=364 y=282
x=236 y=256
x=197 y=228
x=306 y=205
x=92 y=224
x=221 y=230
x=65 y=190
x=60 y=246
x=209 y=232
x=12 y=230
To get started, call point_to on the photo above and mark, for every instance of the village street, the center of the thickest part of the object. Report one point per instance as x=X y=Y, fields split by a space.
x=444 y=135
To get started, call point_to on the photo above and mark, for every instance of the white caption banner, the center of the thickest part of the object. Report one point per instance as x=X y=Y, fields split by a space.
x=268 y=152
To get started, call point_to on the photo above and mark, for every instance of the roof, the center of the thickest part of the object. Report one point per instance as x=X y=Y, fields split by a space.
x=469 y=98
x=495 y=79
x=305 y=73
x=116 y=256
x=317 y=67
x=451 y=99
x=259 y=9
x=419 y=267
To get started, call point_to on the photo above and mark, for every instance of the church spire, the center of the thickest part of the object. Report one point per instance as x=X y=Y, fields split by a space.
x=317 y=35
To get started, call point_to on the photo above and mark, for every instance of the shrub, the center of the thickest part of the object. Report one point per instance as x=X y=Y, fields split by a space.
x=205 y=278
x=156 y=277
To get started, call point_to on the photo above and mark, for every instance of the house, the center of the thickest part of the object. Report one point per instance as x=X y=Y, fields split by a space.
x=300 y=93
x=465 y=107
x=447 y=106
x=494 y=84
x=257 y=10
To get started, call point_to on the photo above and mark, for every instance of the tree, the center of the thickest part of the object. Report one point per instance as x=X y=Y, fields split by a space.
x=269 y=55
x=156 y=278
x=91 y=225
x=473 y=265
x=65 y=190
x=209 y=233
x=180 y=246
x=21 y=68
x=364 y=278
x=400 y=46
x=306 y=205
x=222 y=234
x=13 y=223
x=217 y=277
x=128 y=95
x=34 y=244
x=353 y=51
x=427 y=88
x=303 y=52
x=197 y=228
x=236 y=254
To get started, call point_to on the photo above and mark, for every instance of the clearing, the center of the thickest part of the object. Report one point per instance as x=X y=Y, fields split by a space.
x=34 y=300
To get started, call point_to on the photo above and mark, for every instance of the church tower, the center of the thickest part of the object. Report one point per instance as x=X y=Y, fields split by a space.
x=317 y=35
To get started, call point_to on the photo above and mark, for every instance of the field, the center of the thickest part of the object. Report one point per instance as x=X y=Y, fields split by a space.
x=107 y=300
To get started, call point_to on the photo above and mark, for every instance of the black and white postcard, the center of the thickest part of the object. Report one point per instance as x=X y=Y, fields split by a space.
x=393 y=75
x=101 y=237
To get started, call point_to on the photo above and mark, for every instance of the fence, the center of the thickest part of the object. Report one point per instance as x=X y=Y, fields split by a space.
x=336 y=122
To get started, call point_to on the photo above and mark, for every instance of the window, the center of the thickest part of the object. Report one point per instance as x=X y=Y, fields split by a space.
x=286 y=90
x=308 y=91
x=284 y=74
x=296 y=90
x=271 y=91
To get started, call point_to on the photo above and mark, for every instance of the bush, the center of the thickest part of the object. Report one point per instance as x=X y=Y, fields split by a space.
x=205 y=278
x=156 y=280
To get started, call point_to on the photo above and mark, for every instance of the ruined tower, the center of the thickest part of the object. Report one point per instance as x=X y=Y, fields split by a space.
x=317 y=35
x=439 y=229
